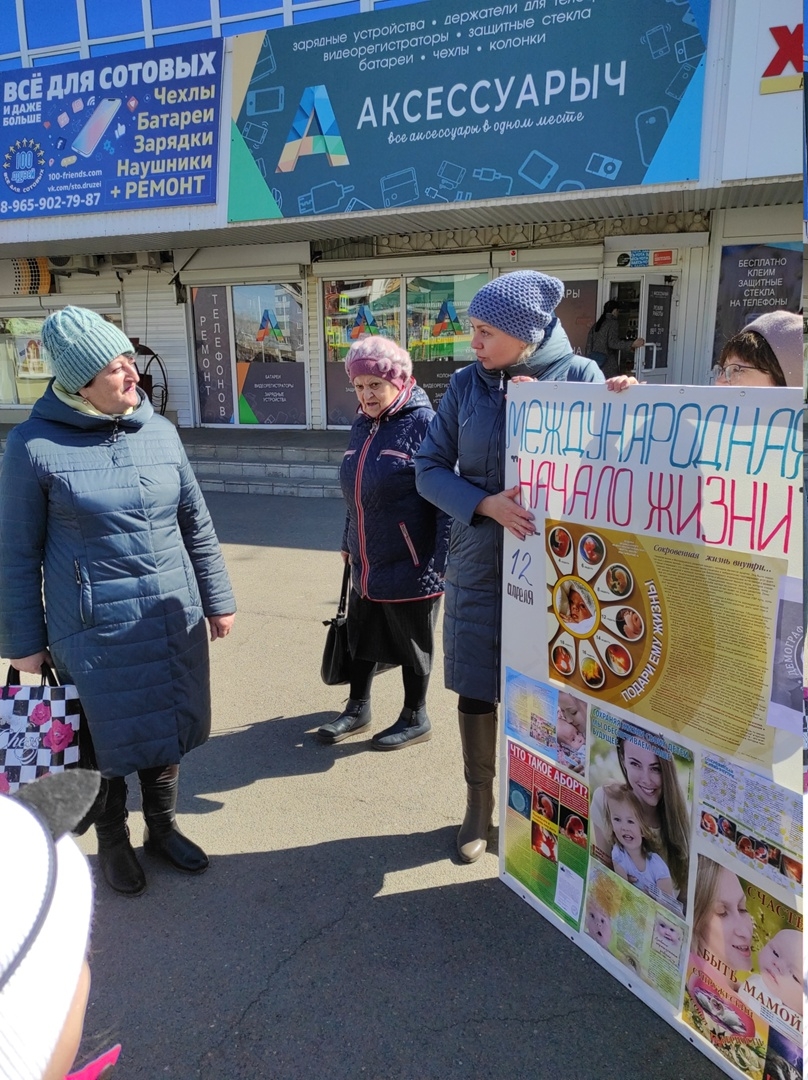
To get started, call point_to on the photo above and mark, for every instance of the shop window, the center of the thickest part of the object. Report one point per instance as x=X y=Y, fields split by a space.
x=353 y=308
x=111 y=20
x=228 y=8
x=49 y=24
x=179 y=12
x=8 y=369
x=24 y=371
x=109 y=47
x=9 y=34
x=56 y=58
x=199 y=34
x=246 y=26
x=264 y=380
x=438 y=328
x=329 y=11
x=271 y=375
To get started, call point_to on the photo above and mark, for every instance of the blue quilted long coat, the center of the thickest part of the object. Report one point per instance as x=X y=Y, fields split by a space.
x=109 y=515
x=397 y=541
x=461 y=460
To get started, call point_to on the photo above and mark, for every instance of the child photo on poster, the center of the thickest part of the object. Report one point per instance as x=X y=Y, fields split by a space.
x=640 y=934
x=655 y=777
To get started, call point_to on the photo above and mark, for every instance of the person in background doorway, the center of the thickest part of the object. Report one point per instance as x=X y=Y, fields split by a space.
x=603 y=342
x=396 y=543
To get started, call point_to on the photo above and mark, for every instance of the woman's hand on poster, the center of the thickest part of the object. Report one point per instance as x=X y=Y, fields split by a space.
x=220 y=625
x=505 y=509
x=618 y=383
x=518 y=379
x=33 y=664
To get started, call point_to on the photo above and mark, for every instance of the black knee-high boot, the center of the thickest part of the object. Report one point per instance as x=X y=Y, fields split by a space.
x=116 y=858
x=162 y=837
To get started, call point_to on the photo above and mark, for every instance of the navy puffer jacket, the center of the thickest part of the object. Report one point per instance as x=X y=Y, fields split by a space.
x=461 y=460
x=109 y=514
x=397 y=540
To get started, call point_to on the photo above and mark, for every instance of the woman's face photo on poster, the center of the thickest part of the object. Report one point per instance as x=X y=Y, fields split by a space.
x=651 y=779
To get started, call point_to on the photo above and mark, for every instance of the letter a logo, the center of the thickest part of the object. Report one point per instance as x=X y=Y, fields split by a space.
x=269 y=327
x=315 y=105
x=364 y=323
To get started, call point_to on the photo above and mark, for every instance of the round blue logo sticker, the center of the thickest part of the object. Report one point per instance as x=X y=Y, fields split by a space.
x=23 y=165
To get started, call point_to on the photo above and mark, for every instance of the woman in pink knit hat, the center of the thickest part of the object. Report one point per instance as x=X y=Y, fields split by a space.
x=395 y=540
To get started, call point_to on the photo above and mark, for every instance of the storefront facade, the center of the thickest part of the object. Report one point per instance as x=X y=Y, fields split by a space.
x=252 y=310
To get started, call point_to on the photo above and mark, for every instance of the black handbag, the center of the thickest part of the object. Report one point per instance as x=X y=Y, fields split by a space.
x=335 y=669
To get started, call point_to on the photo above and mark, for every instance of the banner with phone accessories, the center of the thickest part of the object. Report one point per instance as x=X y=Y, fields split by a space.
x=457 y=100
x=124 y=132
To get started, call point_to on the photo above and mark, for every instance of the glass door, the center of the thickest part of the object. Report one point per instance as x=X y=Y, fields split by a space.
x=350 y=310
x=648 y=307
x=250 y=357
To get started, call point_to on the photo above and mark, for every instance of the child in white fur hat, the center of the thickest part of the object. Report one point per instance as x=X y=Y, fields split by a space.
x=44 y=932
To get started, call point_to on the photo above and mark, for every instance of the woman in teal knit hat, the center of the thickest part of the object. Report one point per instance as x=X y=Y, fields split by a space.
x=109 y=568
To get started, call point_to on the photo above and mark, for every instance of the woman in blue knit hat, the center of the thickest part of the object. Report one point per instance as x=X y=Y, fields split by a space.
x=461 y=468
x=109 y=568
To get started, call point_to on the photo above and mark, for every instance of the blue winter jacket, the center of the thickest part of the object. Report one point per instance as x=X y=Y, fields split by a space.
x=397 y=540
x=109 y=515
x=461 y=460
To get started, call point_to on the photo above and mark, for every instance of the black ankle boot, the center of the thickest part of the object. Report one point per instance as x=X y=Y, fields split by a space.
x=354 y=719
x=117 y=860
x=412 y=726
x=162 y=837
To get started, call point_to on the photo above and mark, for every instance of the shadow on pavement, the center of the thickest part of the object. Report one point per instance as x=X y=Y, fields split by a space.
x=278 y=521
x=309 y=963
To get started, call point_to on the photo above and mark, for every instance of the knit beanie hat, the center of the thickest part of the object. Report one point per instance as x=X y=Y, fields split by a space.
x=782 y=331
x=45 y=923
x=379 y=356
x=520 y=304
x=79 y=344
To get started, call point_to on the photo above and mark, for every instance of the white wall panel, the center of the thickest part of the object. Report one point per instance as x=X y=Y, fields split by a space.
x=314 y=341
x=151 y=314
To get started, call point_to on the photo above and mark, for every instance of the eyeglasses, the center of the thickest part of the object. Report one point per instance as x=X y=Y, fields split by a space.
x=729 y=372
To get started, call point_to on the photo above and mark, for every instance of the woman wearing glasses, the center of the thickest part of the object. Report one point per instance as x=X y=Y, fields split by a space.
x=767 y=352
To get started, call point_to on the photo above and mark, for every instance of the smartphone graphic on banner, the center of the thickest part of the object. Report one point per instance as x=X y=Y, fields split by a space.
x=268 y=100
x=90 y=135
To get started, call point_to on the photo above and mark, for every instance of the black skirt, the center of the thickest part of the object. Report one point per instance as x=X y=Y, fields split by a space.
x=393 y=633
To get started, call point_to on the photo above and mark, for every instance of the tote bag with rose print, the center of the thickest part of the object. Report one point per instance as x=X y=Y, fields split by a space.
x=39 y=729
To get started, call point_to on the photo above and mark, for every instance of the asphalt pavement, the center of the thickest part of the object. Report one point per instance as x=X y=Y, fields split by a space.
x=336 y=933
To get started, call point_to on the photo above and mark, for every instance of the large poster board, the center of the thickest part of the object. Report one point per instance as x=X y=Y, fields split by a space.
x=651 y=760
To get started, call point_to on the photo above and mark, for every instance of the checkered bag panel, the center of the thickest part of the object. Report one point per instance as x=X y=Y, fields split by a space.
x=39 y=732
